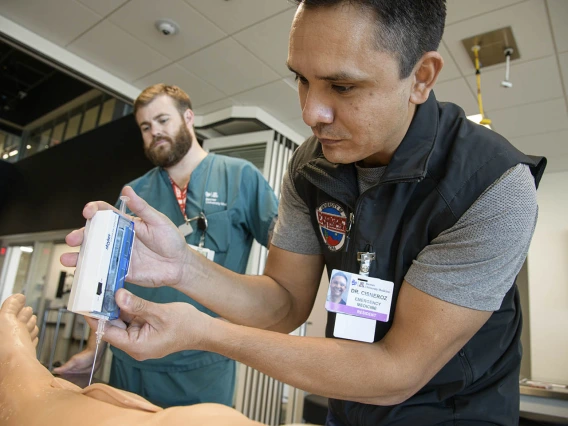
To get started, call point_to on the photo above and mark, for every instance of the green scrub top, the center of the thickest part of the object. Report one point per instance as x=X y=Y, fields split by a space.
x=239 y=206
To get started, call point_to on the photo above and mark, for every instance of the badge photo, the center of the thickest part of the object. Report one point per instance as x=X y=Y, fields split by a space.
x=359 y=295
x=338 y=284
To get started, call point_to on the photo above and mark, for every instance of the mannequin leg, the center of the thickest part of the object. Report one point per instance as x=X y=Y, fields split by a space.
x=30 y=395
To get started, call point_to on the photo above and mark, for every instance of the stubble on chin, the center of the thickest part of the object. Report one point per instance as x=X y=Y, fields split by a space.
x=335 y=155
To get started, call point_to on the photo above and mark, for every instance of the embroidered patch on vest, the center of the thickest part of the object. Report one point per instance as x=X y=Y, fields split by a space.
x=332 y=224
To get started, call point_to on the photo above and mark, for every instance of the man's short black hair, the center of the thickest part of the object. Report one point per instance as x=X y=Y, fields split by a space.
x=407 y=28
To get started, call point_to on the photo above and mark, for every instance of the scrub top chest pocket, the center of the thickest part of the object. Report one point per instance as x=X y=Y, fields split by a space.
x=218 y=234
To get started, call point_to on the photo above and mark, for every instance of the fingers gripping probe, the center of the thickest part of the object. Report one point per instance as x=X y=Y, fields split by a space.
x=102 y=322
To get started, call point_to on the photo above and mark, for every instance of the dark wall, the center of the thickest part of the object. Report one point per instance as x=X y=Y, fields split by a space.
x=48 y=190
x=10 y=178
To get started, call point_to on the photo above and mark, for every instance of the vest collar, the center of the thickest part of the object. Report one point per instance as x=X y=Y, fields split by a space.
x=410 y=160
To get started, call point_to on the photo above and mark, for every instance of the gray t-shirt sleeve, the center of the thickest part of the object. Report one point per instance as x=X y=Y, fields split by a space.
x=293 y=230
x=474 y=263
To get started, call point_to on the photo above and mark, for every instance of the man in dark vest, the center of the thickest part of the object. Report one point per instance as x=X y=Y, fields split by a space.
x=429 y=215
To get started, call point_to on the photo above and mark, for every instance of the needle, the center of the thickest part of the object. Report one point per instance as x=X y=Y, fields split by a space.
x=100 y=332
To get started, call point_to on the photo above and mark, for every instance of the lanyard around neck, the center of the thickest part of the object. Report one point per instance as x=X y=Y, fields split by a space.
x=181 y=194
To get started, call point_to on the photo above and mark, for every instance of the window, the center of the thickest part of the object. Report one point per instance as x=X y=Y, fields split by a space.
x=107 y=112
x=45 y=139
x=72 y=127
x=57 y=136
x=90 y=119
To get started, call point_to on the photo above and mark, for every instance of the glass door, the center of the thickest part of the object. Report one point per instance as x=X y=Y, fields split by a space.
x=36 y=277
x=15 y=269
x=24 y=271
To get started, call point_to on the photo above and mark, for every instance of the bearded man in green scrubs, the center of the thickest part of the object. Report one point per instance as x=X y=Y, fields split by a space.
x=220 y=204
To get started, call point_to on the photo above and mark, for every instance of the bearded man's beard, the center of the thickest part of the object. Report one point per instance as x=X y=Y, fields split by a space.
x=169 y=154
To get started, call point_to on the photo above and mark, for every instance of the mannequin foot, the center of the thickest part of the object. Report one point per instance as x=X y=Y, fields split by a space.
x=18 y=329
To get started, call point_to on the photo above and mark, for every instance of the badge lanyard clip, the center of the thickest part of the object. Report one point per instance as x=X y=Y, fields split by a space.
x=202 y=226
x=202 y=219
x=365 y=257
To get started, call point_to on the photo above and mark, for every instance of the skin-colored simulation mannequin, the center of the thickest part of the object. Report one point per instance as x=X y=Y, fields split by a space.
x=30 y=395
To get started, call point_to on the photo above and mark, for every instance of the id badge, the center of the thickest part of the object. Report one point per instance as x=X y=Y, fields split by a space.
x=354 y=328
x=359 y=295
x=208 y=253
x=186 y=228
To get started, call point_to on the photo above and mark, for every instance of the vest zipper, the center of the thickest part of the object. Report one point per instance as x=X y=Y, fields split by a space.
x=352 y=217
x=347 y=236
x=466 y=367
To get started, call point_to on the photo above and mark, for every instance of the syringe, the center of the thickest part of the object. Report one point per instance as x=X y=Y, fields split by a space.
x=123 y=200
x=102 y=321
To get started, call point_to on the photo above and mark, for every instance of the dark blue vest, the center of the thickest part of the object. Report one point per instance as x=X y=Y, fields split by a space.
x=442 y=166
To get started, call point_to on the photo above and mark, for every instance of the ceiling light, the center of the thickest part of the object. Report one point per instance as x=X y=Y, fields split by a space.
x=28 y=147
x=477 y=119
x=27 y=249
x=12 y=153
x=5 y=156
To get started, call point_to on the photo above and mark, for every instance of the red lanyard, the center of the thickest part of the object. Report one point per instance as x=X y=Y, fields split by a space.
x=181 y=195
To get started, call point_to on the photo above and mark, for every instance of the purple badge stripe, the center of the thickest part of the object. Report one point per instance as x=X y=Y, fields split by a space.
x=358 y=312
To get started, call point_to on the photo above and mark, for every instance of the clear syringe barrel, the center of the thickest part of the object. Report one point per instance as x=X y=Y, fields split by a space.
x=123 y=200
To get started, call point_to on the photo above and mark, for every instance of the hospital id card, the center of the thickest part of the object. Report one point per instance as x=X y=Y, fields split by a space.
x=359 y=296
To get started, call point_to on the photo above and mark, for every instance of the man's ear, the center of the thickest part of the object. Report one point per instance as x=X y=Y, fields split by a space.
x=188 y=117
x=426 y=73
